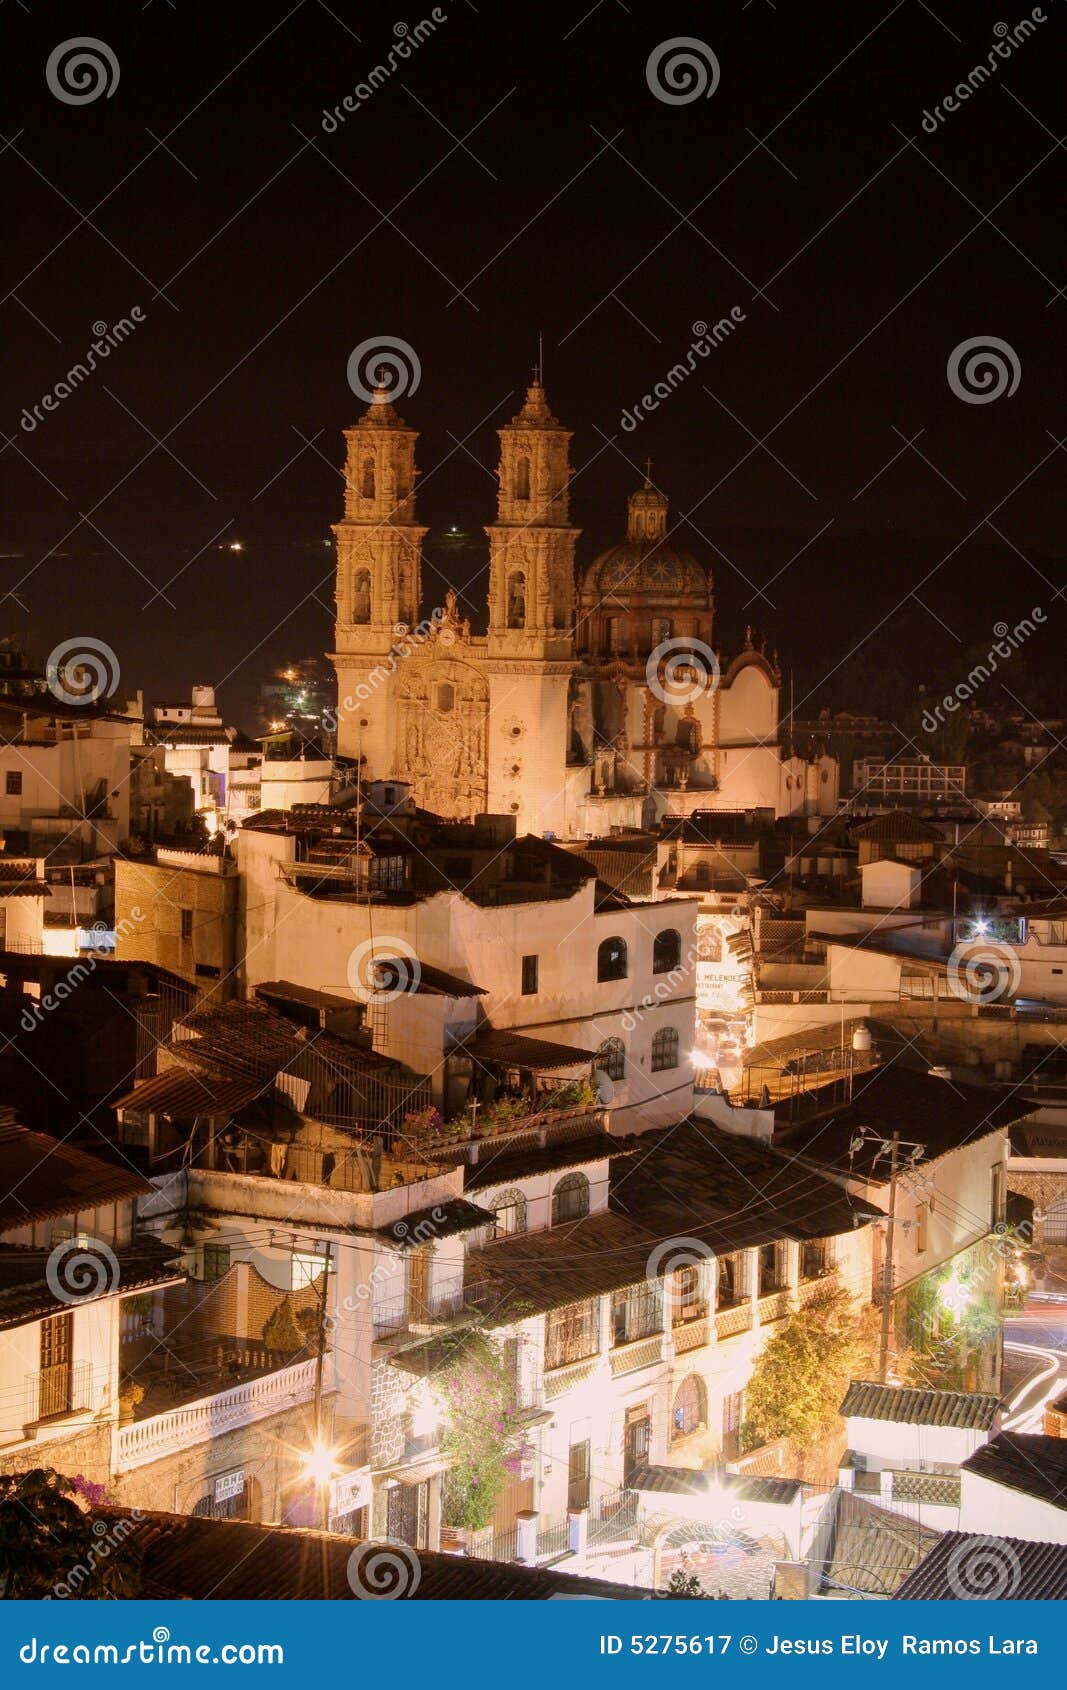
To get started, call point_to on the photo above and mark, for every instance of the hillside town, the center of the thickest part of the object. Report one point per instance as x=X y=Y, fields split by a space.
x=538 y=1117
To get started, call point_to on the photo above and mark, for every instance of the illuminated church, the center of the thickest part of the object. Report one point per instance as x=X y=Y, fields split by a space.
x=576 y=711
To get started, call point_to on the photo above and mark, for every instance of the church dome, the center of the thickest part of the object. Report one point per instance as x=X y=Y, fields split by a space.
x=647 y=563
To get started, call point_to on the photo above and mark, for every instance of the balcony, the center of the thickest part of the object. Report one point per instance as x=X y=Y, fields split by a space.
x=56 y=1392
x=198 y=1422
x=732 y=1319
x=775 y=1306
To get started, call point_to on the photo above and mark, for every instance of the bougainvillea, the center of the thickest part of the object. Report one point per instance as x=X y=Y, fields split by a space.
x=481 y=1434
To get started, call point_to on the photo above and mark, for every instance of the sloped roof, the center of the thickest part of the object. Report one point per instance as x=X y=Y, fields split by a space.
x=874 y=1550
x=908 y=1406
x=190 y=1557
x=682 y=1183
x=939 y=1114
x=897 y=827
x=41 y=1176
x=179 y=1091
x=502 y=1044
x=1029 y=1462
x=29 y=1290
x=963 y=1566
x=439 y=1220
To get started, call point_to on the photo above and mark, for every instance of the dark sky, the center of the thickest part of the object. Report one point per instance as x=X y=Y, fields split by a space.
x=517 y=174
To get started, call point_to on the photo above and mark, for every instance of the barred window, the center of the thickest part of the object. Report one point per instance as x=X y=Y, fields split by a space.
x=570 y=1199
x=664 y=1049
x=611 y=1059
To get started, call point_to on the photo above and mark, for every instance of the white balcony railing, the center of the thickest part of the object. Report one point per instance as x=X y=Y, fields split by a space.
x=208 y=1417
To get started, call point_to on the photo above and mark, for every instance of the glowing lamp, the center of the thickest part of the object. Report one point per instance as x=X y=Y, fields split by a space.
x=320 y=1463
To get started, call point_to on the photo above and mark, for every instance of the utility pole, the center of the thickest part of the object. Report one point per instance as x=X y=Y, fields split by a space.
x=320 y=1356
x=887 y=1263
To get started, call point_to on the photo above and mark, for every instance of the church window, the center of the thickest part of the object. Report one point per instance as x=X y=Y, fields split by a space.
x=666 y=951
x=368 y=478
x=610 y=1059
x=517 y=600
x=612 y=633
x=611 y=959
x=361 y=596
x=446 y=697
x=522 y=479
x=529 y=975
x=664 y=1049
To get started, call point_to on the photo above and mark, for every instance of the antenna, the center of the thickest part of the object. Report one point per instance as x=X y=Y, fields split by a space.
x=540 y=357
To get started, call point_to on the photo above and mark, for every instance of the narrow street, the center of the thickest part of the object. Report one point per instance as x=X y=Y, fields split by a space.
x=1037 y=1336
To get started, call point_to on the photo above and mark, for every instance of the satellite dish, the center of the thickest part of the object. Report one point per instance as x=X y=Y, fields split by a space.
x=605 y=1090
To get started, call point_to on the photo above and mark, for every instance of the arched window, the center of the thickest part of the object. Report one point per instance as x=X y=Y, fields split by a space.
x=611 y=959
x=666 y=950
x=361 y=596
x=368 y=478
x=690 y=1410
x=517 y=599
x=610 y=1059
x=510 y=1211
x=664 y=1049
x=522 y=479
x=446 y=697
x=570 y=1199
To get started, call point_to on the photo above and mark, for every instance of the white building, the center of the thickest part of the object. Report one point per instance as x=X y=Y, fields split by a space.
x=69 y=1260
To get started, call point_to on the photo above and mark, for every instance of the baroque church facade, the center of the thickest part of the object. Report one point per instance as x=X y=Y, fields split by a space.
x=596 y=698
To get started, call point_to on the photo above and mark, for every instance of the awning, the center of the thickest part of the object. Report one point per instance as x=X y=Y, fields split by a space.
x=518 y=1050
x=178 y=1091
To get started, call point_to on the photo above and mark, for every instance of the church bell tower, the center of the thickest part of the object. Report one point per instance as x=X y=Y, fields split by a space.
x=379 y=557
x=531 y=543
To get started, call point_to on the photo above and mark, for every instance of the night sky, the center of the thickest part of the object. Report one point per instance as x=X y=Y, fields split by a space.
x=516 y=176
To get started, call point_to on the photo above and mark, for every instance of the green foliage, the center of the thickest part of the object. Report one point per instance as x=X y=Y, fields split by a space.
x=803 y=1373
x=49 y=1545
x=480 y=1435
x=686 y=1586
x=281 y=1332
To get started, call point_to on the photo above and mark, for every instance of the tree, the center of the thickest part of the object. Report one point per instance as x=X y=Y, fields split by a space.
x=804 y=1371
x=50 y=1545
